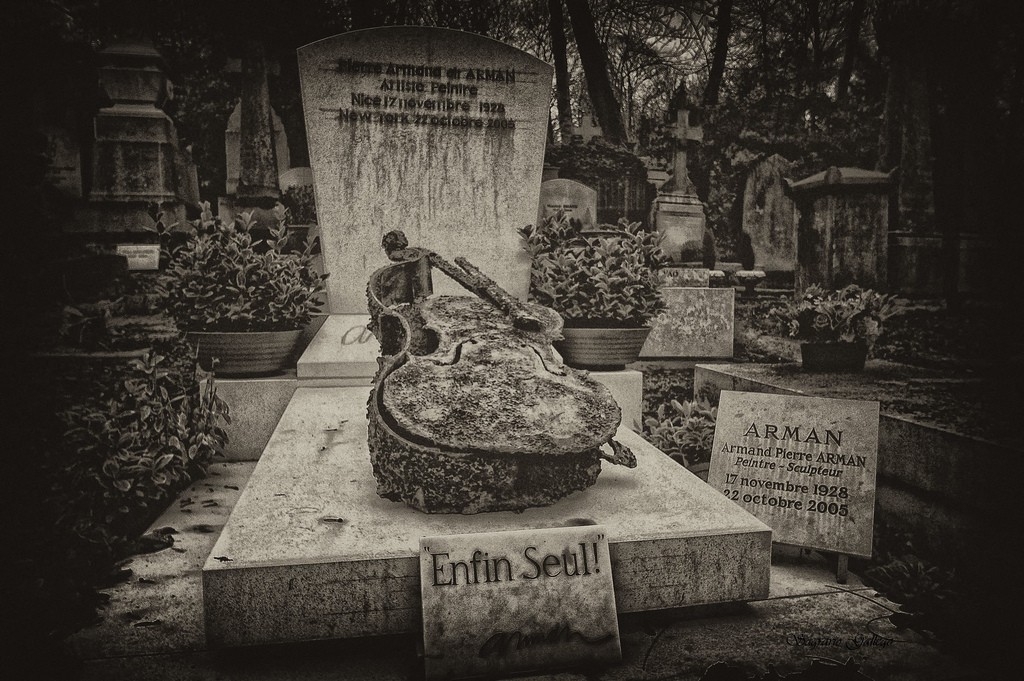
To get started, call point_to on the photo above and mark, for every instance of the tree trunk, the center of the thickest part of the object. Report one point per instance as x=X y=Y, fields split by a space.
x=852 y=38
x=723 y=27
x=556 y=24
x=595 y=67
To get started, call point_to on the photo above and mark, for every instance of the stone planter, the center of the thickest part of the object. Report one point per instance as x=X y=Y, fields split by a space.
x=605 y=349
x=833 y=356
x=245 y=353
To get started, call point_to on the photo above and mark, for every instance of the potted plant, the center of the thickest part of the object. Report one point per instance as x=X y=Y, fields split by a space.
x=686 y=432
x=243 y=302
x=838 y=327
x=603 y=284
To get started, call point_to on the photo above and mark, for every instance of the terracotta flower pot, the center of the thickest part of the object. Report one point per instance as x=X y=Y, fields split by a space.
x=833 y=356
x=245 y=353
x=603 y=349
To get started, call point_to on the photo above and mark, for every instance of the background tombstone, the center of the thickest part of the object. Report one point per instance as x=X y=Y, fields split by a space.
x=233 y=153
x=843 y=228
x=575 y=198
x=678 y=213
x=136 y=159
x=769 y=217
x=436 y=132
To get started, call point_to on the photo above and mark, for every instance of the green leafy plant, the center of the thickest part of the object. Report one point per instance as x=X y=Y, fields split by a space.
x=595 y=279
x=223 y=279
x=851 y=314
x=684 y=430
x=157 y=432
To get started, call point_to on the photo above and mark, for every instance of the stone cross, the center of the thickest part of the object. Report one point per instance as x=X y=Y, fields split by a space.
x=686 y=131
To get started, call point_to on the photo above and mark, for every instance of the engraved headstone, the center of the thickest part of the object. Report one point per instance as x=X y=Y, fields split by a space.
x=501 y=602
x=435 y=132
x=769 y=217
x=803 y=465
x=574 y=198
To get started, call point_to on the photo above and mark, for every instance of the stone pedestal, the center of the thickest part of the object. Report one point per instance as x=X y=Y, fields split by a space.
x=136 y=159
x=680 y=218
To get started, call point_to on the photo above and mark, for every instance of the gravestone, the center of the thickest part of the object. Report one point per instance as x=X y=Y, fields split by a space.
x=232 y=149
x=576 y=199
x=769 y=217
x=842 y=228
x=431 y=131
x=804 y=465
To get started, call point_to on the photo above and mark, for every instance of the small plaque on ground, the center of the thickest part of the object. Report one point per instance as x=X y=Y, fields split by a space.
x=803 y=465
x=141 y=256
x=501 y=602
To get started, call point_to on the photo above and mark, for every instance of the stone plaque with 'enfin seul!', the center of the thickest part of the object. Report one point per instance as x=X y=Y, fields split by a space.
x=434 y=132
x=803 y=465
x=501 y=602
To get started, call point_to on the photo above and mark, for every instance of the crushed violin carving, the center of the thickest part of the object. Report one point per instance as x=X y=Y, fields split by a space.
x=472 y=410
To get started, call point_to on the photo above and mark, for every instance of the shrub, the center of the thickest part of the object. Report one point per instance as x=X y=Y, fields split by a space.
x=223 y=280
x=851 y=314
x=684 y=430
x=129 y=454
x=595 y=279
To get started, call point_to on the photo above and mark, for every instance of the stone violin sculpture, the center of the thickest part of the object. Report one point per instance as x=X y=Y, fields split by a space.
x=471 y=409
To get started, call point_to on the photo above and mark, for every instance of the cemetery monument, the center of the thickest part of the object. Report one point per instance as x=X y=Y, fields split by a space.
x=440 y=133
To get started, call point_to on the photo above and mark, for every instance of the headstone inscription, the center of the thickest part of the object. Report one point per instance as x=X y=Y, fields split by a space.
x=803 y=465
x=435 y=132
x=501 y=602
x=574 y=198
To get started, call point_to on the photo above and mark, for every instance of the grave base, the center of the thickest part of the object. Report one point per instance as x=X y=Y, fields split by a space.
x=697 y=324
x=311 y=552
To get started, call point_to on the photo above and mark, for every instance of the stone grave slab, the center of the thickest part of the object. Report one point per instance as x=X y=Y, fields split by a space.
x=698 y=323
x=436 y=132
x=311 y=552
x=574 y=198
x=342 y=348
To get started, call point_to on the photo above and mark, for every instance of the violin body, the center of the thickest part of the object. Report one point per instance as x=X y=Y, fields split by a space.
x=471 y=409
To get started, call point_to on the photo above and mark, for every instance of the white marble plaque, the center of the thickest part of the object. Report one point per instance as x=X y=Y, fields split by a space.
x=574 y=198
x=495 y=603
x=141 y=256
x=435 y=132
x=805 y=466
